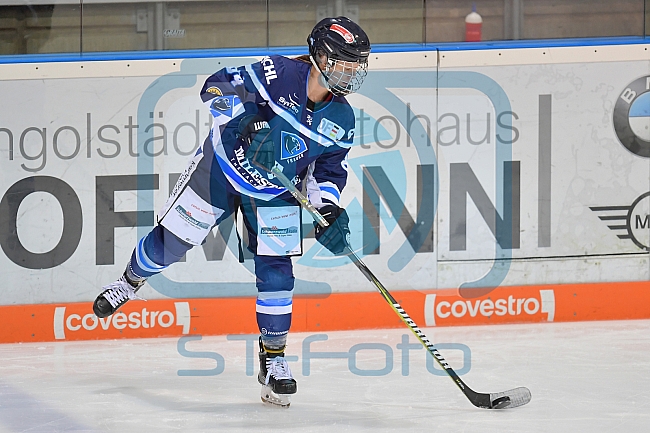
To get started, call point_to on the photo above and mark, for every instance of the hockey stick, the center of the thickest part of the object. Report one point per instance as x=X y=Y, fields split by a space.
x=500 y=400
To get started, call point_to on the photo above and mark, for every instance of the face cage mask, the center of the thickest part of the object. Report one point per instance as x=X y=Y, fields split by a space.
x=342 y=78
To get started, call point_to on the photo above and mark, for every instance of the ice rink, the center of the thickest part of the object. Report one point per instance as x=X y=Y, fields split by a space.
x=584 y=377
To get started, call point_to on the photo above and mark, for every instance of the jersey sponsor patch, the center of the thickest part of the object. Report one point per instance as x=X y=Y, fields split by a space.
x=292 y=145
x=214 y=90
x=347 y=35
x=190 y=217
x=247 y=172
x=330 y=129
x=290 y=103
x=278 y=231
x=269 y=69
x=187 y=216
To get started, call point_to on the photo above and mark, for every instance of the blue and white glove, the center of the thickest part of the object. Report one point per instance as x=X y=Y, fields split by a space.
x=335 y=236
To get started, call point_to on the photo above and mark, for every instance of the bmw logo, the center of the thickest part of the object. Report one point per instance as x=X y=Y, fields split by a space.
x=632 y=117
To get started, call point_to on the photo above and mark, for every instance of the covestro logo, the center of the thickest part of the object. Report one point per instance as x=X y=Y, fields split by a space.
x=137 y=321
x=500 y=306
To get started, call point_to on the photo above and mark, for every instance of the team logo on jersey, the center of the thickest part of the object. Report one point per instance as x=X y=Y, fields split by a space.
x=347 y=35
x=330 y=130
x=214 y=90
x=292 y=146
x=222 y=104
x=632 y=117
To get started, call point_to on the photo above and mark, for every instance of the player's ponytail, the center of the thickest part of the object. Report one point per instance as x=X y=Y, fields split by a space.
x=304 y=58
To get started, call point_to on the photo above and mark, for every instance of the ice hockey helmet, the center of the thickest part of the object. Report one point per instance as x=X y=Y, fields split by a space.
x=346 y=48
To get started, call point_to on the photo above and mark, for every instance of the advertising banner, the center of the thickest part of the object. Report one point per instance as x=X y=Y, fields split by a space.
x=471 y=171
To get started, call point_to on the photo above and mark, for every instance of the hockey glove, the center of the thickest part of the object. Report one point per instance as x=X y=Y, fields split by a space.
x=335 y=236
x=257 y=133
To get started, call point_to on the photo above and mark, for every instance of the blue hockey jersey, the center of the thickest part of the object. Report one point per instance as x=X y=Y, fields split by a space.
x=310 y=145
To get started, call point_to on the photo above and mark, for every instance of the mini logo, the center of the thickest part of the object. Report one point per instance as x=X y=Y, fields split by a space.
x=629 y=222
x=292 y=146
x=222 y=104
x=214 y=90
x=347 y=35
x=309 y=120
x=632 y=117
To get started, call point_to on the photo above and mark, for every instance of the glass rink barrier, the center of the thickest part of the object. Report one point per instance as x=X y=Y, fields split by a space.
x=67 y=26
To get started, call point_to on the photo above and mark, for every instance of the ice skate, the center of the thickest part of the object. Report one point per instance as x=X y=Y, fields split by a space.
x=114 y=296
x=275 y=377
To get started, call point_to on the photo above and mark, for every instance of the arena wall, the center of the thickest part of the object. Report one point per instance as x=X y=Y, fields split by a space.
x=499 y=185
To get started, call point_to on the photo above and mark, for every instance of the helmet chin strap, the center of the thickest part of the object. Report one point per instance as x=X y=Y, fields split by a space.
x=321 y=77
x=323 y=82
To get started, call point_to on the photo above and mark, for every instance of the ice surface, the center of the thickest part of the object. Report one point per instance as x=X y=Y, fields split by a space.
x=584 y=377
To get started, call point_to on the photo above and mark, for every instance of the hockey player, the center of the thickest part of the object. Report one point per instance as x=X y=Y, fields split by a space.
x=279 y=113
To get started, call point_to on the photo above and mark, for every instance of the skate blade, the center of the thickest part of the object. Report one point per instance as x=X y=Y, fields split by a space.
x=271 y=398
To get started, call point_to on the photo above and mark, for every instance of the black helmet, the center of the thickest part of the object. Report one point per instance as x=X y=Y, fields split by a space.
x=346 y=48
x=341 y=39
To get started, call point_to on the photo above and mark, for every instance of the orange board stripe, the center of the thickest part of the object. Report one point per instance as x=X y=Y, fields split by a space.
x=339 y=311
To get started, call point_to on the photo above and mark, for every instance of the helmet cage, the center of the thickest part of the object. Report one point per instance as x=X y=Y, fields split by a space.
x=342 y=77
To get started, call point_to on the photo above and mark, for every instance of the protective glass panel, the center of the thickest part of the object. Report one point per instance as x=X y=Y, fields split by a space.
x=290 y=22
x=39 y=28
x=174 y=25
x=453 y=21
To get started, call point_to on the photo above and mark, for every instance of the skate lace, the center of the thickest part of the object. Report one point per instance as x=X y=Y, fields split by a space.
x=278 y=368
x=119 y=292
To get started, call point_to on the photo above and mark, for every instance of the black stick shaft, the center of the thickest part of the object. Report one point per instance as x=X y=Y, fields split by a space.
x=374 y=280
x=407 y=319
x=520 y=395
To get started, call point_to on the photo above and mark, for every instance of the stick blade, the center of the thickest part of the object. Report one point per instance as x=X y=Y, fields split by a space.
x=512 y=398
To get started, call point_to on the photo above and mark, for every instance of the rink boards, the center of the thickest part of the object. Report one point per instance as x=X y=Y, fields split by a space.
x=497 y=185
x=341 y=311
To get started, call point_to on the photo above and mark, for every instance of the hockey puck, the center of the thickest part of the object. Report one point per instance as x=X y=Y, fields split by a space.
x=501 y=402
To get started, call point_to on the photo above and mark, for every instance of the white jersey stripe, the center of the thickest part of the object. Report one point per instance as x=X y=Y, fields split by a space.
x=285 y=115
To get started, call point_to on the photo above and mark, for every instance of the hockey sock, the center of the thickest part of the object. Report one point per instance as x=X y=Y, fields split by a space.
x=156 y=251
x=274 y=345
x=132 y=278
